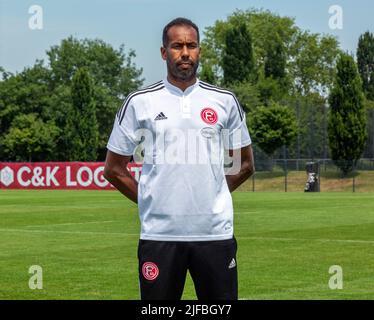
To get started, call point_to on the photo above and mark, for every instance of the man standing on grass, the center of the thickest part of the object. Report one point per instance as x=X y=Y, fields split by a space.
x=184 y=194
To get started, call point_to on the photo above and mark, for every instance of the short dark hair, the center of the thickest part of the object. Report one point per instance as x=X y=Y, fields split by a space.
x=178 y=22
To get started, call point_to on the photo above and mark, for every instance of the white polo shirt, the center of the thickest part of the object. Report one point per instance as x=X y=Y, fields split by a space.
x=182 y=191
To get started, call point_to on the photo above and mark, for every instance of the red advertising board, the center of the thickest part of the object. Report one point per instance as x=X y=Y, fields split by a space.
x=57 y=175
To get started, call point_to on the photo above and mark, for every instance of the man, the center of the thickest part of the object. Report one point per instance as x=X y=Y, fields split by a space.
x=183 y=195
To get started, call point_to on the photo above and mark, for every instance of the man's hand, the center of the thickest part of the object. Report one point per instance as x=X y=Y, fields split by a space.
x=115 y=171
x=247 y=167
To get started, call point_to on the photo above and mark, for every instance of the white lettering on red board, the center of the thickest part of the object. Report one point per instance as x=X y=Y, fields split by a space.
x=51 y=176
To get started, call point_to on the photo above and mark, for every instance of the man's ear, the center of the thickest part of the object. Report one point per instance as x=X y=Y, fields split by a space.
x=163 y=53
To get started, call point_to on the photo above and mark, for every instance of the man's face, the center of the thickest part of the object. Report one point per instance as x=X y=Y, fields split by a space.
x=182 y=53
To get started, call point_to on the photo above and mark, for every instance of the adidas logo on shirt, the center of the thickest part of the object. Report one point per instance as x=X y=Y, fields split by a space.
x=161 y=116
x=232 y=264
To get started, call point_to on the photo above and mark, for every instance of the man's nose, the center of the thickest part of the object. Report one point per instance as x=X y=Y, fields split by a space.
x=185 y=52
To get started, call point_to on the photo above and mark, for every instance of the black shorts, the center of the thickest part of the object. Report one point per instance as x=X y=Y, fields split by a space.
x=163 y=267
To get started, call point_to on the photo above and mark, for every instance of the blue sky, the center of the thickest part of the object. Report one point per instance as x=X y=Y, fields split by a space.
x=138 y=24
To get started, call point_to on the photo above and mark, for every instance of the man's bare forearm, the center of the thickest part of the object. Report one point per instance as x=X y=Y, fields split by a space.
x=115 y=171
x=124 y=183
x=234 y=181
x=247 y=168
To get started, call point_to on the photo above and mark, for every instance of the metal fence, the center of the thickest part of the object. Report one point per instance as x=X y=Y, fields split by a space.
x=290 y=175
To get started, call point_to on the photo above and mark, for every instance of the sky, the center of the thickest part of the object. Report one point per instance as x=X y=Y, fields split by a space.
x=138 y=24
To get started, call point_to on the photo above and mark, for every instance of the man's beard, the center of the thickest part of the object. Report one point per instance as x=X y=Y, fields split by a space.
x=180 y=74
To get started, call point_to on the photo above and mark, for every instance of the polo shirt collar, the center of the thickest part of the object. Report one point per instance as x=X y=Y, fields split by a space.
x=177 y=90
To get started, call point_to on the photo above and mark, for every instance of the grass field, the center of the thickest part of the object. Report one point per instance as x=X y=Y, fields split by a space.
x=86 y=243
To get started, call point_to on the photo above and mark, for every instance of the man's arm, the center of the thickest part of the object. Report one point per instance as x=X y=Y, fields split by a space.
x=115 y=171
x=247 y=167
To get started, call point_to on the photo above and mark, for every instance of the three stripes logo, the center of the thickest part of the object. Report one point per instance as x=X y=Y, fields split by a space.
x=161 y=116
x=232 y=263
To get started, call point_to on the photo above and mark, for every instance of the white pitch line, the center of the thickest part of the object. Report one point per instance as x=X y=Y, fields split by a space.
x=68 y=224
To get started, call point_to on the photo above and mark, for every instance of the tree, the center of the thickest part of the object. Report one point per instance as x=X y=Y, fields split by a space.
x=45 y=88
x=30 y=139
x=113 y=73
x=309 y=58
x=365 y=61
x=275 y=60
x=347 y=119
x=311 y=113
x=82 y=127
x=272 y=127
x=206 y=74
x=24 y=93
x=269 y=90
x=111 y=68
x=369 y=150
x=312 y=62
x=247 y=94
x=237 y=61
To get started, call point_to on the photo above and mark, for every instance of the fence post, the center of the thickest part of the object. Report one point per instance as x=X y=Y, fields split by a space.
x=285 y=167
x=253 y=182
x=285 y=176
x=319 y=175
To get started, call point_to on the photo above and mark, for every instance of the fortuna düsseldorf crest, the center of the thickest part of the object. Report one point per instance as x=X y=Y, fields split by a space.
x=209 y=116
x=150 y=271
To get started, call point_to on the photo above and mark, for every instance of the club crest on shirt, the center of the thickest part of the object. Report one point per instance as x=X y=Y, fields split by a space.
x=150 y=271
x=208 y=132
x=209 y=116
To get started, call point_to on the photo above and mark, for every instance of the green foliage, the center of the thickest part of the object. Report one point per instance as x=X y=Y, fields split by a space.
x=82 y=127
x=369 y=104
x=369 y=150
x=303 y=61
x=247 y=94
x=311 y=112
x=112 y=68
x=365 y=61
x=45 y=89
x=347 y=121
x=269 y=90
x=26 y=92
x=237 y=60
x=272 y=127
x=312 y=62
x=30 y=139
x=275 y=59
x=113 y=73
x=206 y=74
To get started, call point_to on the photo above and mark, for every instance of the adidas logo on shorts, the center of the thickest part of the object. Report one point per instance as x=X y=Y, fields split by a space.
x=232 y=264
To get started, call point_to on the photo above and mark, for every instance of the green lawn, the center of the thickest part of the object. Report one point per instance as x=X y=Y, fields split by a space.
x=86 y=243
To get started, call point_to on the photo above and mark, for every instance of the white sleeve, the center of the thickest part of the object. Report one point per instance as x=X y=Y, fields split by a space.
x=237 y=131
x=123 y=138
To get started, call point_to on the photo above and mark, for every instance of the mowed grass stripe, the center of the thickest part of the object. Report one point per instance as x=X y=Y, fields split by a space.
x=122 y=234
x=287 y=242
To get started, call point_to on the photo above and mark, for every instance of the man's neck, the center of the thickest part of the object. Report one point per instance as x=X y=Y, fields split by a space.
x=183 y=85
